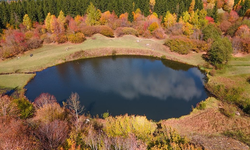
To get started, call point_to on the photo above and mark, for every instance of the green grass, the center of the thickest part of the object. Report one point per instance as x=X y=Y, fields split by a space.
x=235 y=74
x=50 y=55
x=53 y=54
x=15 y=80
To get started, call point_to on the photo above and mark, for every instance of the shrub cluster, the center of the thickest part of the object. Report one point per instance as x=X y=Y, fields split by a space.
x=201 y=105
x=91 y=30
x=180 y=44
x=230 y=95
x=126 y=31
x=211 y=32
x=184 y=45
x=220 y=52
x=233 y=28
x=51 y=126
x=76 y=38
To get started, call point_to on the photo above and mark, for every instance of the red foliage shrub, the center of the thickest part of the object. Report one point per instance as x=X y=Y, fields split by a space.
x=88 y=30
x=147 y=34
x=34 y=43
x=52 y=134
x=210 y=19
x=73 y=26
x=15 y=134
x=175 y=29
x=76 y=38
x=14 y=43
x=158 y=33
x=91 y=30
x=246 y=44
x=126 y=31
x=237 y=44
x=243 y=31
x=224 y=25
x=105 y=30
x=61 y=38
x=45 y=38
x=233 y=16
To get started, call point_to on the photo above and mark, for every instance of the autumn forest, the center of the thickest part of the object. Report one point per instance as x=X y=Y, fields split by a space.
x=213 y=35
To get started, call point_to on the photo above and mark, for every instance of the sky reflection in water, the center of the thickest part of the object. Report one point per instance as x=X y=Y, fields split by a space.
x=124 y=85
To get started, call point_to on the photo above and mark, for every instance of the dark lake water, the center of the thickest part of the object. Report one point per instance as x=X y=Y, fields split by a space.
x=159 y=89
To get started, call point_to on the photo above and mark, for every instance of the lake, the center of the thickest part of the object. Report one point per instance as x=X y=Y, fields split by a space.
x=158 y=89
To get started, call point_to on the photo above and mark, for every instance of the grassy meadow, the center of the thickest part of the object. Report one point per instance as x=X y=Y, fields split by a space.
x=53 y=54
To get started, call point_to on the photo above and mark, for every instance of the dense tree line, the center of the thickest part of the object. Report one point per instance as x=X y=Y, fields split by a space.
x=13 y=12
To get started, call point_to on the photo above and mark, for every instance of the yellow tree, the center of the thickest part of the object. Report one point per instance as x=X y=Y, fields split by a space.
x=78 y=19
x=169 y=19
x=137 y=14
x=188 y=29
x=104 y=18
x=93 y=15
x=61 y=21
x=61 y=17
x=27 y=22
x=194 y=19
x=186 y=16
x=47 y=22
x=191 y=7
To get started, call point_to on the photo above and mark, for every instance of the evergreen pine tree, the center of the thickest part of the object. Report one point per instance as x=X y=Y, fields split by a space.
x=215 y=13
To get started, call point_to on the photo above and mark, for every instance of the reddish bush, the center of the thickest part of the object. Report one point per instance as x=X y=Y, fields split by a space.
x=210 y=19
x=126 y=31
x=73 y=25
x=61 y=38
x=175 y=29
x=147 y=34
x=88 y=30
x=158 y=33
x=233 y=16
x=224 y=25
x=106 y=31
x=243 y=31
x=45 y=39
x=14 y=43
x=15 y=134
x=34 y=43
x=246 y=44
x=52 y=134
x=76 y=38
x=237 y=44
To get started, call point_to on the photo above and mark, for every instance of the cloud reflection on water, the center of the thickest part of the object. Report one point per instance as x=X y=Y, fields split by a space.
x=123 y=77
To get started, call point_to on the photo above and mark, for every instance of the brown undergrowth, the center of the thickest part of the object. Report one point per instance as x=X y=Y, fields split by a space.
x=207 y=127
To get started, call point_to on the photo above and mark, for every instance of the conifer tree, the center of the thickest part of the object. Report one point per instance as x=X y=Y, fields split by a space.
x=215 y=13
